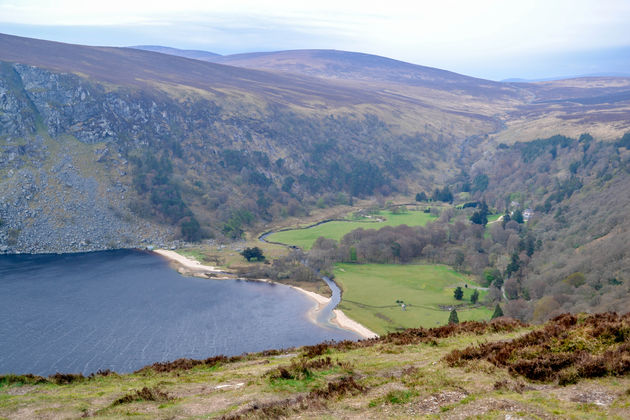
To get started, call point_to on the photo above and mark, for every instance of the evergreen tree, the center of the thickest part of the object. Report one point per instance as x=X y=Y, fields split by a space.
x=447 y=195
x=513 y=266
x=474 y=297
x=421 y=196
x=458 y=293
x=453 y=318
x=480 y=183
x=498 y=312
x=518 y=216
x=444 y=195
x=479 y=218
x=483 y=208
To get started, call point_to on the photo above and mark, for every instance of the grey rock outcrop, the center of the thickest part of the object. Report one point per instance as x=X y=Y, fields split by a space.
x=67 y=189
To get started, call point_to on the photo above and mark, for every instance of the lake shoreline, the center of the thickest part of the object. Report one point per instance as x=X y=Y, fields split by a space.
x=189 y=267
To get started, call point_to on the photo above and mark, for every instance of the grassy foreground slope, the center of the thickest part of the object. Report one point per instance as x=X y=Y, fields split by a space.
x=304 y=238
x=370 y=292
x=439 y=373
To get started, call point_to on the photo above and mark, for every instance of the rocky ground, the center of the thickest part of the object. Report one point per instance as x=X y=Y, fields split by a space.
x=64 y=186
x=62 y=196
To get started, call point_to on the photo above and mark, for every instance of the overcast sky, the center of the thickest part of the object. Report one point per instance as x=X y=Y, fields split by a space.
x=494 y=39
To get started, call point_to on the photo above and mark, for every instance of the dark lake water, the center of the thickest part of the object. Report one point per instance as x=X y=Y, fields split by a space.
x=122 y=310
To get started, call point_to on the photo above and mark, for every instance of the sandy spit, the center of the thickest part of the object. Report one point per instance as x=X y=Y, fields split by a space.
x=189 y=267
x=346 y=323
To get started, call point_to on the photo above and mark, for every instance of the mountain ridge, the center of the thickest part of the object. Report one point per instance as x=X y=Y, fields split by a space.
x=194 y=54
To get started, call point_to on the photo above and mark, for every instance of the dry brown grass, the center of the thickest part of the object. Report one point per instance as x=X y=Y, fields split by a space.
x=144 y=394
x=566 y=349
x=291 y=406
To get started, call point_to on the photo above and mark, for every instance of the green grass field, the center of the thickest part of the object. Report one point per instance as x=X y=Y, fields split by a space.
x=494 y=217
x=304 y=238
x=370 y=292
x=491 y=219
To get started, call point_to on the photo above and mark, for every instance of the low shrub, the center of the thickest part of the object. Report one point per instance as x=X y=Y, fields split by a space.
x=566 y=349
x=144 y=394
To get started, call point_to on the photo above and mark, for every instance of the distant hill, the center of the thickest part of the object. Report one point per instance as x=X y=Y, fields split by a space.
x=194 y=54
x=360 y=67
x=145 y=69
x=574 y=76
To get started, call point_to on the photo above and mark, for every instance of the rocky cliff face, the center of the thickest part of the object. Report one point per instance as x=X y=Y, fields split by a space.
x=69 y=105
x=64 y=185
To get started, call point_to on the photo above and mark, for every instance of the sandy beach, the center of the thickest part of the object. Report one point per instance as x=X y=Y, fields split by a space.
x=190 y=267
x=346 y=323
x=339 y=318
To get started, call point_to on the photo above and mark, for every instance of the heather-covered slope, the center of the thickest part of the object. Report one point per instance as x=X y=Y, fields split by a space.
x=333 y=64
x=599 y=105
x=572 y=367
x=205 y=148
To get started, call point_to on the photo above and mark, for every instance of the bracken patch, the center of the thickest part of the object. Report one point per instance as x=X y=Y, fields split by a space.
x=187 y=364
x=303 y=368
x=29 y=379
x=144 y=394
x=567 y=348
x=66 y=378
x=313 y=400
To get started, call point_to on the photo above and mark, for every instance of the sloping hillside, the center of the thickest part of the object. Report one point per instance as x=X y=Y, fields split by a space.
x=205 y=148
x=191 y=149
x=599 y=105
x=502 y=369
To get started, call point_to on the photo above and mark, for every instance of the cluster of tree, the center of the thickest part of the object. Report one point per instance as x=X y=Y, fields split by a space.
x=160 y=196
x=254 y=253
x=453 y=318
x=443 y=194
x=289 y=269
x=233 y=227
x=458 y=294
x=480 y=217
x=422 y=196
x=500 y=259
x=579 y=190
x=533 y=149
x=480 y=183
